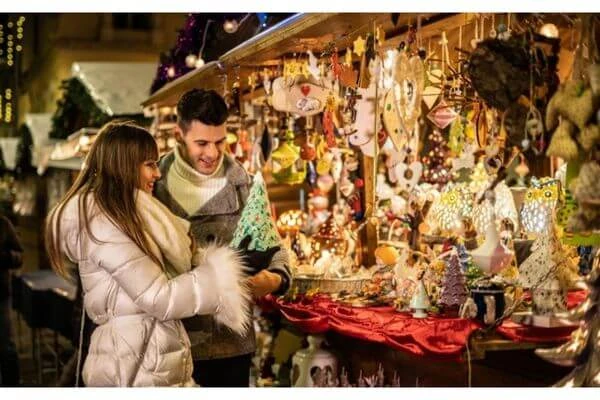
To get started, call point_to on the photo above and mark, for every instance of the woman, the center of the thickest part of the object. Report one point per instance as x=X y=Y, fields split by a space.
x=135 y=263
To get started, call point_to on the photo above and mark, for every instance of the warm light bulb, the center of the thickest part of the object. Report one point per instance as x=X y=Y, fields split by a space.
x=549 y=30
x=230 y=26
x=190 y=60
x=199 y=62
x=171 y=72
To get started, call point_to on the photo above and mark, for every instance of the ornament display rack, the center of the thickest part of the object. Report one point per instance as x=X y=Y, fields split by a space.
x=314 y=32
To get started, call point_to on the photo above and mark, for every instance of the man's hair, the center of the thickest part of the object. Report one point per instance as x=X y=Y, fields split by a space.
x=206 y=106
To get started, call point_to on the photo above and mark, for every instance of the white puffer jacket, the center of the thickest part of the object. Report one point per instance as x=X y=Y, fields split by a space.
x=137 y=307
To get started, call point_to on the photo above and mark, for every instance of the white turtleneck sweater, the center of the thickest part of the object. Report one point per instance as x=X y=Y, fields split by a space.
x=190 y=188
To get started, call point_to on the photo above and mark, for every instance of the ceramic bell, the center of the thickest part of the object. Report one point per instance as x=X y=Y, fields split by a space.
x=420 y=301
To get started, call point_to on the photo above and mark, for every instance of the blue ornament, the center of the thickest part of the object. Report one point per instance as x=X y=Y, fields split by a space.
x=262 y=19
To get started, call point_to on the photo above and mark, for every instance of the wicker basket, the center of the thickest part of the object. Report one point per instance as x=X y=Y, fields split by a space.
x=303 y=284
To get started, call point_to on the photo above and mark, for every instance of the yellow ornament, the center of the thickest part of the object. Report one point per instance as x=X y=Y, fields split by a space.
x=379 y=35
x=359 y=46
x=348 y=57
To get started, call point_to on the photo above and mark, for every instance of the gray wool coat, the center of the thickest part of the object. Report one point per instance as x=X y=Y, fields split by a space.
x=216 y=221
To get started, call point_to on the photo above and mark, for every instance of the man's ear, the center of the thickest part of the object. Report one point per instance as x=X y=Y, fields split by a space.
x=178 y=134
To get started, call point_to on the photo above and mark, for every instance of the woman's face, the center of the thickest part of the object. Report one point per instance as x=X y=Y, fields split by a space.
x=149 y=173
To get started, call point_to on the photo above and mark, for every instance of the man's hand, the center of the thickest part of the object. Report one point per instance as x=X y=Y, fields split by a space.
x=256 y=260
x=264 y=282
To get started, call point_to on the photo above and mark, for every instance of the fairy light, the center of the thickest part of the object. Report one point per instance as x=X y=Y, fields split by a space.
x=11 y=41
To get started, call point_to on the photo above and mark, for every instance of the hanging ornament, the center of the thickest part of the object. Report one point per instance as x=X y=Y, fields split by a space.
x=199 y=63
x=369 y=54
x=442 y=115
x=379 y=35
x=433 y=87
x=408 y=175
x=288 y=167
x=402 y=106
x=308 y=152
x=364 y=123
x=348 y=57
x=359 y=46
x=313 y=68
x=466 y=159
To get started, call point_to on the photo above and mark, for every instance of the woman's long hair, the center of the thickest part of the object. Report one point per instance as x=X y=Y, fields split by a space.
x=111 y=175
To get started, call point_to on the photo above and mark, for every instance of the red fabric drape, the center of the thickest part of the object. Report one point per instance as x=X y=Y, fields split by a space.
x=438 y=337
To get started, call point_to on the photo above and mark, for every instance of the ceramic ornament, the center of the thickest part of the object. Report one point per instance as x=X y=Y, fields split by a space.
x=313 y=68
x=442 y=115
x=364 y=125
x=420 y=301
x=402 y=103
x=539 y=204
x=256 y=220
x=491 y=257
x=303 y=99
x=466 y=159
x=408 y=175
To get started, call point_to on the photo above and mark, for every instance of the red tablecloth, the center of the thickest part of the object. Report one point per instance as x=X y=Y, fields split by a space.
x=433 y=336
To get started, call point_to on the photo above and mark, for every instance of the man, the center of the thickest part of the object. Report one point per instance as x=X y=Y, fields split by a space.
x=11 y=257
x=209 y=188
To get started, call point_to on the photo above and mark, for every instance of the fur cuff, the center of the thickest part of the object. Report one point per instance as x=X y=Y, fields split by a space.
x=230 y=286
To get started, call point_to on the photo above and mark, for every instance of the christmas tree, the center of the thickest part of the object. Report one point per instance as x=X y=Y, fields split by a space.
x=454 y=290
x=256 y=220
x=436 y=161
x=582 y=351
x=548 y=271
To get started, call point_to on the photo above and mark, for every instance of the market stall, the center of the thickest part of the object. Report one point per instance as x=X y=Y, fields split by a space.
x=434 y=160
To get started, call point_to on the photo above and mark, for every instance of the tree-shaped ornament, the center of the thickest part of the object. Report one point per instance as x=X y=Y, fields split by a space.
x=454 y=289
x=549 y=271
x=256 y=220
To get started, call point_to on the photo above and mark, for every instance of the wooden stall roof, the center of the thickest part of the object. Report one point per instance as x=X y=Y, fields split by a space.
x=297 y=34
x=206 y=77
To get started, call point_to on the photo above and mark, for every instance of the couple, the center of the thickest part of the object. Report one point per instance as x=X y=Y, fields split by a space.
x=146 y=263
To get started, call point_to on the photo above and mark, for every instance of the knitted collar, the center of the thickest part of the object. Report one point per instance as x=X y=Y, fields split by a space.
x=187 y=172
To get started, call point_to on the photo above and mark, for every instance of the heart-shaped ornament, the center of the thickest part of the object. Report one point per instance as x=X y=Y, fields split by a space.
x=408 y=175
x=305 y=89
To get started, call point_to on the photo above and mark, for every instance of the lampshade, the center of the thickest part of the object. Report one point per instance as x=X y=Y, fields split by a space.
x=504 y=208
x=291 y=221
x=328 y=240
x=539 y=204
x=454 y=203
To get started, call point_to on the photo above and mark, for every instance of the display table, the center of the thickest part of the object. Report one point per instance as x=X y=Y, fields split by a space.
x=437 y=337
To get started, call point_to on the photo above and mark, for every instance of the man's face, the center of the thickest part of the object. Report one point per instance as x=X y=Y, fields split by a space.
x=203 y=146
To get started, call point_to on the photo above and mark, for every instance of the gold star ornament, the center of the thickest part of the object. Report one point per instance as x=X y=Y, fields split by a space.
x=359 y=46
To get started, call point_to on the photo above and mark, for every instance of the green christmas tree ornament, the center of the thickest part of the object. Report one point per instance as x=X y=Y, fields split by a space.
x=256 y=220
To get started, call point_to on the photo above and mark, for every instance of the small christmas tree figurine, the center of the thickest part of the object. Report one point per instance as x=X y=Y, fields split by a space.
x=256 y=220
x=454 y=290
x=437 y=171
